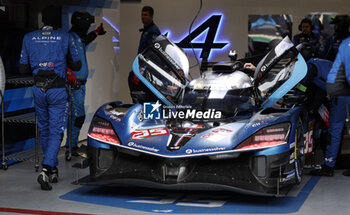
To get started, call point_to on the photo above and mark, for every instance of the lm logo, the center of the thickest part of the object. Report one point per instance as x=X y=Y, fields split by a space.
x=152 y=110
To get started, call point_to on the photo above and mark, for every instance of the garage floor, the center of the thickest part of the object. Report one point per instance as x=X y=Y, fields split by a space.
x=20 y=194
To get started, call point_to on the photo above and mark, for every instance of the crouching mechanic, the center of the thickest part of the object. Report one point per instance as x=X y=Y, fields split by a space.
x=46 y=53
x=81 y=21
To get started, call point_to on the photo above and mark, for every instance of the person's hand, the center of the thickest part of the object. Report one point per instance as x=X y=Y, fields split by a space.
x=249 y=66
x=72 y=80
x=135 y=80
x=100 y=30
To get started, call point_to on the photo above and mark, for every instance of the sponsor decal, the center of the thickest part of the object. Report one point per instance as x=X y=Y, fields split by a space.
x=189 y=151
x=263 y=68
x=291 y=158
x=140 y=116
x=115 y=118
x=258 y=124
x=289 y=176
x=329 y=160
x=46 y=64
x=139 y=146
x=292 y=145
x=160 y=49
x=46 y=33
x=216 y=134
x=157 y=45
x=141 y=133
x=46 y=38
x=193 y=151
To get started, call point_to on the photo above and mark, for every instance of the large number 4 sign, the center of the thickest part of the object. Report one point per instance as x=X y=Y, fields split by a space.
x=213 y=24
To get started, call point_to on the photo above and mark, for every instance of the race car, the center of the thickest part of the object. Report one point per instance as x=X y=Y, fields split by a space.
x=227 y=129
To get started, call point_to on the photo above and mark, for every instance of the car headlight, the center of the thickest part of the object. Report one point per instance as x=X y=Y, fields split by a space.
x=102 y=130
x=266 y=137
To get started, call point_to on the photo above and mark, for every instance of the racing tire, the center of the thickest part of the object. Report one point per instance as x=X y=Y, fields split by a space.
x=299 y=152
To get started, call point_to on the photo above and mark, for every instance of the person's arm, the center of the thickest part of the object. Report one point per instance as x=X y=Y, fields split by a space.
x=249 y=66
x=337 y=80
x=24 y=66
x=93 y=34
x=296 y=40
x=73 y=60
x=346 y=59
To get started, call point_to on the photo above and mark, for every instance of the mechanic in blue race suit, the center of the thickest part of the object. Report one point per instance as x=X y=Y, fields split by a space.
x=149 y=32
x=341 y=31
x=46 y=53
x=338 y=86
x=81 y=21
x=317 y=42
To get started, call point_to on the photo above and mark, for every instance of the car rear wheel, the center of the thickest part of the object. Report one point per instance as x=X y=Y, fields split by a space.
x=299 y=152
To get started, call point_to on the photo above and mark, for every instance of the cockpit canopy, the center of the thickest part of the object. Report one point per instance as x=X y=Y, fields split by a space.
x=163 y=68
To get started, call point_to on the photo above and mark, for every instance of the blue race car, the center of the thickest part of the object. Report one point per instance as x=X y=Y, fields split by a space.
x=227 y=129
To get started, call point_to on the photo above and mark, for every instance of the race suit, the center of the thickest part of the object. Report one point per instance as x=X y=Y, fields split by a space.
x=338 y=87
x=78 y=91
x=318 y=42
x=334 y=43
x=45 y=52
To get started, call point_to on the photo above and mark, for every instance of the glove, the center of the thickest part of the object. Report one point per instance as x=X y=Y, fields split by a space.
x=72 y=80
x=99 y=30
x=135 y=80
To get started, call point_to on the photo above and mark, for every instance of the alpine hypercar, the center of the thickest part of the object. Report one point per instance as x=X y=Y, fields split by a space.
x=227 y=129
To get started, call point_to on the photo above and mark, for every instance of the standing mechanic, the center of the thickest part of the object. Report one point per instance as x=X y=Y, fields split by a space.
x=81 y=21
x=46 y=53
x=316 y=42
x=149 y=32
x=341 y=31
x=338 y=86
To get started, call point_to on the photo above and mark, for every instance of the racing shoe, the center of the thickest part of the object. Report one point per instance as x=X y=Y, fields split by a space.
x=43 y=180
x=74 y=152
x=324 y=171
x=53 y=177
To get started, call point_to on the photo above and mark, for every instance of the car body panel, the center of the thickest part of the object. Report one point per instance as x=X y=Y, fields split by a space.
x=203 y=153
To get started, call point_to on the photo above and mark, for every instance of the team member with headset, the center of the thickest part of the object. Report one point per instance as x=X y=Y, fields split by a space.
x=81 y=22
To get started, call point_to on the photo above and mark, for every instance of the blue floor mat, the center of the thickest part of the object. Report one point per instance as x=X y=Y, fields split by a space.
x=189 y=202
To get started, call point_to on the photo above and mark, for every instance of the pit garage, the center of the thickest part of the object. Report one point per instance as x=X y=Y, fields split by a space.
x=119 y=143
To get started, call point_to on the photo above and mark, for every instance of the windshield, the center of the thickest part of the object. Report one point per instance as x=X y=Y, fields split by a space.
x=163 y=67
x=277 y=75
x=229 y=102
x=160 y=76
